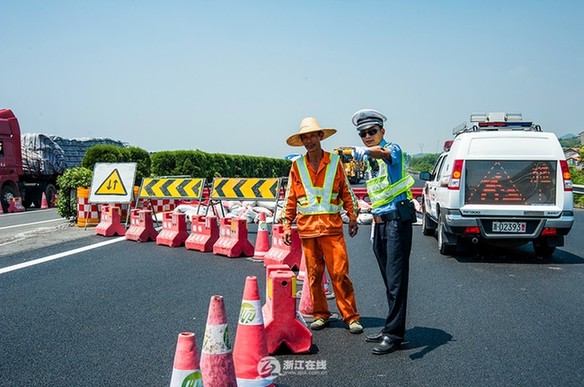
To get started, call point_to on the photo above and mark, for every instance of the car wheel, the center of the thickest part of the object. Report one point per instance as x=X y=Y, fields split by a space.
x=443 y=246
x=542 y=249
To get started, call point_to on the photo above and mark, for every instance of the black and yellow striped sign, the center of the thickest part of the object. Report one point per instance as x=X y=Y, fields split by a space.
x=251 y=188
x=171 y=187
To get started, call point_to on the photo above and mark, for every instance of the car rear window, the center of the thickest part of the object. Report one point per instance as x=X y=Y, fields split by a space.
x=510 y=182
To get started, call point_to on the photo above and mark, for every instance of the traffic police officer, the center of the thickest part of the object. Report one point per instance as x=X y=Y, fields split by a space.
x=393 y=214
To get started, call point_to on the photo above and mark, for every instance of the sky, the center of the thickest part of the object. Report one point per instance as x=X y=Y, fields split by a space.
x=237 y=77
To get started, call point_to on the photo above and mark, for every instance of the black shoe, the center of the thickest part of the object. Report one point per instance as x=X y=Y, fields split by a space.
x=374 y=338
x=385 y=346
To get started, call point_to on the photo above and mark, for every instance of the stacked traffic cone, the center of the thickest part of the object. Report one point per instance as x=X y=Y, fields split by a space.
x=44 y=204
x=262 y=245
x=216 y=356
x=186 y=370
x=250 y=341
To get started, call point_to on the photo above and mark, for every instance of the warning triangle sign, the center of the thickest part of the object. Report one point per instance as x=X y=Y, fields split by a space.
x=112 y=185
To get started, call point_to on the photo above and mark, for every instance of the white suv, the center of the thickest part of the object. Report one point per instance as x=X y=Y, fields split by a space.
x=502 y=181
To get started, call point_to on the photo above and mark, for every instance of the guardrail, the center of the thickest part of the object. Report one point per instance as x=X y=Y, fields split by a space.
x=578 y=189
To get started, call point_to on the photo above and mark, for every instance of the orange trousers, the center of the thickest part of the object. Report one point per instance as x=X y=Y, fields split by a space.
x=329 y=250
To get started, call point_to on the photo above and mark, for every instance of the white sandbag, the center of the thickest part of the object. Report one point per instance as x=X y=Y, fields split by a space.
x=249 y=203
x=365 y=218
x=230 y=204
x=260 y=209
x=364 y=206
x=269 y=205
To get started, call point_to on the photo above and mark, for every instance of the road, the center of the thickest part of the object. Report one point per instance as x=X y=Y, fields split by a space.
x=111 y=315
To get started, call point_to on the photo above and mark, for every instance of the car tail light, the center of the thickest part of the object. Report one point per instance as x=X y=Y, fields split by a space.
x=548 y=231
x=566 y=176
x=454 y=182
x=472 y=230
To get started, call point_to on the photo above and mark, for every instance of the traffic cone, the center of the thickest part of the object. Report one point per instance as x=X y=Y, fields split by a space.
x=250 y=345
x=44 y=204
x=53 y=200
x=302 y=271
x=186 y=370
x=305 y=307
x=327 y=290
x=262 y=244
x=216 y=356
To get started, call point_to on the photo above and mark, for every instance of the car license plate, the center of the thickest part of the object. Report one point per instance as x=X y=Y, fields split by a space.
x=517 y=227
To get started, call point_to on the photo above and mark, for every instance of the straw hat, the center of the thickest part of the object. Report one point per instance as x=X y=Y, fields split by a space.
x=309 y=125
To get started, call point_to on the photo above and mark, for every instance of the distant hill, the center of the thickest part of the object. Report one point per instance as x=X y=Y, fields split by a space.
x=566 y=136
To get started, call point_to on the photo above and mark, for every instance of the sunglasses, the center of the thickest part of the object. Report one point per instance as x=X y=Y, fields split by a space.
x=371 y=132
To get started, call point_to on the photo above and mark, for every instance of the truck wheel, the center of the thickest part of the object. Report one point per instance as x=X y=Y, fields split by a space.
x=542 y=249
x=443 y=246
x=5 y=196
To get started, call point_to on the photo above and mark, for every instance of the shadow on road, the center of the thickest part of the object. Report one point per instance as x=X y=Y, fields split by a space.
x=427 y=339
x=523 y=255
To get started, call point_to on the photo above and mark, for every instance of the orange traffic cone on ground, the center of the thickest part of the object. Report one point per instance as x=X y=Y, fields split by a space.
x=186 y=370
x=216 y=356
x=44 y=203
x=250 y=341
x=262 y=245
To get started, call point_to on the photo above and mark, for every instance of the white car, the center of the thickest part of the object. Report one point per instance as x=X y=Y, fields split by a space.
x=502 y=181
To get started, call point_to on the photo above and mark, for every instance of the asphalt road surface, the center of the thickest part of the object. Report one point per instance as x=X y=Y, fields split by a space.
x=110 y=316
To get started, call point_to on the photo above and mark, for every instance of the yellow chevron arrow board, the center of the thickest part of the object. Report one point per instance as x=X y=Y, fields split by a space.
x=251 y=188
x=112 y=183
x=172 y=188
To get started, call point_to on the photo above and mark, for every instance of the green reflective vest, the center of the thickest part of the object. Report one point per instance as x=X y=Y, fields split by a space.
x=381 y=191
x=310 y=204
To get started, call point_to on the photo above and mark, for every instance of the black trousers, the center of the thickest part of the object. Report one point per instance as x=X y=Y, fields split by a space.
x=392 y=244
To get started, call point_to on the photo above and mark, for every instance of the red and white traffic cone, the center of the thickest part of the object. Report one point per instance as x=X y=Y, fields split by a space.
x=251 y=345
x=262 y=244
x=186 y=370
x=327 y=290
x=216 y=356
x=305 y=307
x=44 y=204
x=302 y=271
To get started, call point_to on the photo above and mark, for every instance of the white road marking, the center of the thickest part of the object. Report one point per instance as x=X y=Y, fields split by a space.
x=30 y=224
x=60 y=255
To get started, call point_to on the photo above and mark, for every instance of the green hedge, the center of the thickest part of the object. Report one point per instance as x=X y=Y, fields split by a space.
x=196 y=163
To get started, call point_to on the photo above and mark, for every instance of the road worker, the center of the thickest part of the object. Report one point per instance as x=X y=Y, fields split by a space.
x=317 y=191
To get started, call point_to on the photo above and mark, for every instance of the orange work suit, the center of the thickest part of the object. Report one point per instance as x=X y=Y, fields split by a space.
x=322 y=238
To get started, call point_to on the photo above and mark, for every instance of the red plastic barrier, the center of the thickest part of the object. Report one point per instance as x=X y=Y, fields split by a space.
x=283 y=327
x=110 y=223
x=233 y=240
x=280 y=253
x=204 y=233
x=141 y=226
x=174 y=230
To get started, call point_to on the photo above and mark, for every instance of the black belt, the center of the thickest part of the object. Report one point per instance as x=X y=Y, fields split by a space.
x=386 y=217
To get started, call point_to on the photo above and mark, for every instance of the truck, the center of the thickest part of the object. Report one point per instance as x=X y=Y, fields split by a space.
x=30 y=163
x=355 y=170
